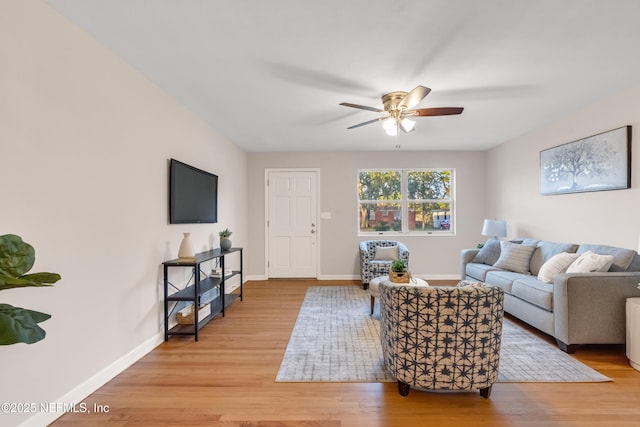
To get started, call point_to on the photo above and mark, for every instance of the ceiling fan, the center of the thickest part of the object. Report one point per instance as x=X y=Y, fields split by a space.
x=398 y=110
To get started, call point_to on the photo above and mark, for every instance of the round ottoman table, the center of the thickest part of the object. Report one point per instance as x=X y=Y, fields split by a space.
x=374 y=286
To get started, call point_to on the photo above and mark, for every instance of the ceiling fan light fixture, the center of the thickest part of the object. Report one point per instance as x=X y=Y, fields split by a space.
x=407 y=125
x=398 y=106
x=390 y=126
x=392 y=131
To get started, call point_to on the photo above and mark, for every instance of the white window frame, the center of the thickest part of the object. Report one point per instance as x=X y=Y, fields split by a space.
x=404 y=204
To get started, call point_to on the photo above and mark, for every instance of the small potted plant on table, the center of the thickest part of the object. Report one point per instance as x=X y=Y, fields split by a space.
x=225 y=242
x=398 y=272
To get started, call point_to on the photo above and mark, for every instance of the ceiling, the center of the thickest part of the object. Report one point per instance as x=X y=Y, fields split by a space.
x=269 y=75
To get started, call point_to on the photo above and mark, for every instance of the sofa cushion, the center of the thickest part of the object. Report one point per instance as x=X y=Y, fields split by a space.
x=534 y=291
x=478 y=271
x=489 y=253
x=635 y=264
x=527 y=241
x=503 y=279
x=555 y=265
x=514 y=257
x=590 y=262
x=545 y=251
x=622 y=257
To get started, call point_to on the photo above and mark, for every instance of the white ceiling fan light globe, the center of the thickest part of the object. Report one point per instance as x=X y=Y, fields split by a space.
x=390 y=126
x=389 y=123
x=408 y=125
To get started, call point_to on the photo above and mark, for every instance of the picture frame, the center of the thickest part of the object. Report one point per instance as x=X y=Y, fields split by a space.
x=599 y=162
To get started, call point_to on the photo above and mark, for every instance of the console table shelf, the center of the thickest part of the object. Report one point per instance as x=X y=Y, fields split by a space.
x=197 y=289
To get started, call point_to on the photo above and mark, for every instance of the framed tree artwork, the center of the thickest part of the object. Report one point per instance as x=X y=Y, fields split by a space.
x=596 y=163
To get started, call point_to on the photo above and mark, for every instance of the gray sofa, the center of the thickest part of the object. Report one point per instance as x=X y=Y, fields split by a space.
x=573 y=307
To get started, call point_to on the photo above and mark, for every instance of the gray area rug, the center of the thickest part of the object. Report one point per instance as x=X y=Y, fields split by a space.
x=336 y=340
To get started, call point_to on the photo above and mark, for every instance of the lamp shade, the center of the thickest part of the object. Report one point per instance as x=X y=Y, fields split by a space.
x=494 y=227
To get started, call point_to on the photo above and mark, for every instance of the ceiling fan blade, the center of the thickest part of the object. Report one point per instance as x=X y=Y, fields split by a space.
x=362 y=107
x=412 y=99
x=367 y=122
x=441 y=111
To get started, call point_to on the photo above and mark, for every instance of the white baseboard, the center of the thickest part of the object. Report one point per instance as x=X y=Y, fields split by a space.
x=83 y=390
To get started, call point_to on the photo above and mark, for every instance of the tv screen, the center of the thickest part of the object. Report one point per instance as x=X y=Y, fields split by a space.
x=193 y=194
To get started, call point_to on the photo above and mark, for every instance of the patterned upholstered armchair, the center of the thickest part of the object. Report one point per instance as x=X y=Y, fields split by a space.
x=376 y=257
x=442 y=338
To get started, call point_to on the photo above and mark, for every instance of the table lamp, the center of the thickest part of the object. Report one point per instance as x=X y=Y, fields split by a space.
x=495 y=228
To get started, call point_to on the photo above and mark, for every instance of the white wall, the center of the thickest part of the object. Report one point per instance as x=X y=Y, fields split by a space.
x=431 y=256
x=607 y=217
x=85 y=142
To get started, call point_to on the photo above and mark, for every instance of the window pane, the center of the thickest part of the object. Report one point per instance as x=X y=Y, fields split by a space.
x=406 y=201
x=379 y=185
x=429 y=216
x=376 y=217
x=431 y=184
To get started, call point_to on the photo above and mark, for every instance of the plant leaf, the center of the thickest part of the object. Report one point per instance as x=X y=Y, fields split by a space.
x=7 y=282
x=16 y=256
x=20 y=325
x=38 y=316
x=41 y=279
x=35 y=279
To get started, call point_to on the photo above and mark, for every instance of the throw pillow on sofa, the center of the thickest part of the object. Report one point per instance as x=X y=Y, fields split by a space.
x=545 y=250
x=555 y=265
x=590 y=262
x=514 y=257
x=489 y=253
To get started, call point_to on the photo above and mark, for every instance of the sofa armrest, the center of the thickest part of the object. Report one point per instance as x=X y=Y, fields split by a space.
x=590 y=307
x=466 y=256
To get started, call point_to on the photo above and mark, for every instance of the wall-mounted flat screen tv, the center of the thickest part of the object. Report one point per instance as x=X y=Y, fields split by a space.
x=193 y=194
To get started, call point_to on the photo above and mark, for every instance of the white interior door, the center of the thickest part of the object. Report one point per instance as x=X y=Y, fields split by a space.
x=292 y=223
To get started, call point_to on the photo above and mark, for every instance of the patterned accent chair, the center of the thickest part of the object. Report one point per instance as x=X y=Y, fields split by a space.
x=376 y=263
x=442 y=338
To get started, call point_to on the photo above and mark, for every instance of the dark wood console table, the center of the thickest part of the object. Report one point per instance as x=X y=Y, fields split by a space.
x=197 y=290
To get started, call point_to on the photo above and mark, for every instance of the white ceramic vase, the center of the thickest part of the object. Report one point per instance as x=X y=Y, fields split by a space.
x=186 y=250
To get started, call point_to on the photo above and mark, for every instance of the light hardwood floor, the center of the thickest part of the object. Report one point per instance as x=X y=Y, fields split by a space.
x=227 y=379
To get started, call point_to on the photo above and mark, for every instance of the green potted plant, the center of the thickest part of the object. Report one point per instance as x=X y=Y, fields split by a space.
x=398 y=271
x=16 y=259
x=225 y=242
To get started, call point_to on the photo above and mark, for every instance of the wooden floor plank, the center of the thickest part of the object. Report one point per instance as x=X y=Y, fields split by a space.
x=227 y=379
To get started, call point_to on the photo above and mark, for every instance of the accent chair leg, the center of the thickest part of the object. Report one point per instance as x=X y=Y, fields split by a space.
x=486 y=392
x=365 y=286
x=373 y=301
x=567 y=348
x=403 y=388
